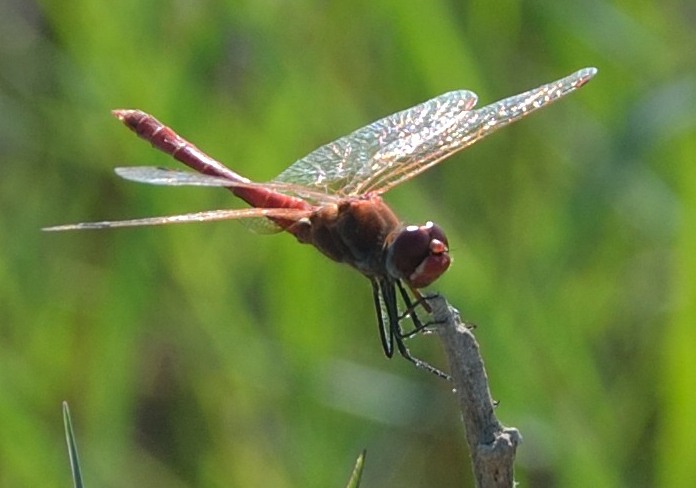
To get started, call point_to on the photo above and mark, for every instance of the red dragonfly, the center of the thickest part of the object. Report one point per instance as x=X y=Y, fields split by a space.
x=331 y=198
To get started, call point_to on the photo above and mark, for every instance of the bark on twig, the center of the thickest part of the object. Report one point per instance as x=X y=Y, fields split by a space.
x=492 y=446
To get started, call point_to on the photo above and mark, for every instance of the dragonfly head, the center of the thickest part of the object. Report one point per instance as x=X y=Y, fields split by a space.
x=418 y=254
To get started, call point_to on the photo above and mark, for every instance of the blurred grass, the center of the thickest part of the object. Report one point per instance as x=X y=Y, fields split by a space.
x=204 y=355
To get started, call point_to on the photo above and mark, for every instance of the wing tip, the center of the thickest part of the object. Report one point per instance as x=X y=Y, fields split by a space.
x=584 y=75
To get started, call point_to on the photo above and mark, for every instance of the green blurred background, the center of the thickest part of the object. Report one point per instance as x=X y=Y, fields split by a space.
x=205 y=355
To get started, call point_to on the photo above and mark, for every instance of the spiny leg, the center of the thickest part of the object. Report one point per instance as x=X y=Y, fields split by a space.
x=419 y=362
x=385 y=331
x=389 y=297
x=418 y=325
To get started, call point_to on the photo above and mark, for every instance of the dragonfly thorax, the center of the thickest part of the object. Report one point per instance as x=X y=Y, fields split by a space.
x=417 y=254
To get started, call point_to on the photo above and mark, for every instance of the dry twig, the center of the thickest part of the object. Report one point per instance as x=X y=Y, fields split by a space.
x=492 y=446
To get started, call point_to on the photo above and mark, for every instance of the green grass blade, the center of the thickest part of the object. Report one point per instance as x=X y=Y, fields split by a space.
x=354 y=481
x=72 y=447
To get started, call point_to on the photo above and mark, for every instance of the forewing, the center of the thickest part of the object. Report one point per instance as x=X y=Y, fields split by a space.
x=341 y=166
x=441 y=137
x=400 y=146
x=164 y=176
x=154 y=175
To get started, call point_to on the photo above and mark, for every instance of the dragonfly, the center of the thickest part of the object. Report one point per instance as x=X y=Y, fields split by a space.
x=332 y=198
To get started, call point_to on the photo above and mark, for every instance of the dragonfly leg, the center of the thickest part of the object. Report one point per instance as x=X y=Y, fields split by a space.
x=410 y=312
x=418 y=362
x=396 y=333
x=383 y=323
x=429 y=296
x=384 y=293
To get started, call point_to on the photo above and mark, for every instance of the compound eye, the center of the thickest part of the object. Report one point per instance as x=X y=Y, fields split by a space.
x=418 y=254
x=410 y=246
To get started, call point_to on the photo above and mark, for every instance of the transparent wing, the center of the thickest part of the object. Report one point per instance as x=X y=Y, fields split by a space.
x=340 y=166
x=393 y=149
x=209 y=216
x=164 y=176
x=155 y=175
